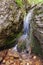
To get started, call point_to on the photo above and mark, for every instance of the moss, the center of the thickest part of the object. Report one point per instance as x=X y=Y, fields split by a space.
x=35 y=44
x=36 y=48
x=10 y=39
x=19 y=34
x=21 y=46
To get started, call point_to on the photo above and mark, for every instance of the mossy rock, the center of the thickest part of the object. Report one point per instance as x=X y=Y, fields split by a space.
x=37 y=28
x=11 y=22
x=21 y=46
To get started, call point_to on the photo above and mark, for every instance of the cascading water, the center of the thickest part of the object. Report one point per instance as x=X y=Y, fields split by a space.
x=26 y=27
x=27 y=22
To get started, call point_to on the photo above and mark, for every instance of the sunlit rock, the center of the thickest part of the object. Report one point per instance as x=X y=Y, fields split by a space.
x=11 y=21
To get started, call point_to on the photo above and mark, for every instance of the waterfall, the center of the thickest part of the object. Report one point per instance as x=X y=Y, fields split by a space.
x=26 y=27
x=27 y=20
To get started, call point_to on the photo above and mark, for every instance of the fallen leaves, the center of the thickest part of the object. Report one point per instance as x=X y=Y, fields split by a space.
x=11 y=59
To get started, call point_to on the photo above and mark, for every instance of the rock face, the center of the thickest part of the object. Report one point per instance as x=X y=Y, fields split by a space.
x=38 y=24
x=11 y=18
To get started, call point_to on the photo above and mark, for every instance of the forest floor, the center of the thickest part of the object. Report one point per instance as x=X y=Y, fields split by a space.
x=9 y=57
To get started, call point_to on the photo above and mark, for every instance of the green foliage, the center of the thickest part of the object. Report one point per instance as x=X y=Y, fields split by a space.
x=35 y=1
x=19 y=2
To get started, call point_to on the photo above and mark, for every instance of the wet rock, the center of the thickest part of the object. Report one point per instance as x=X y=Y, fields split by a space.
x=24 y=44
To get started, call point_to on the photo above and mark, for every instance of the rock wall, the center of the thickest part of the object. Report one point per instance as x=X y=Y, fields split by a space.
x=38 y=24
x=11 y=20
